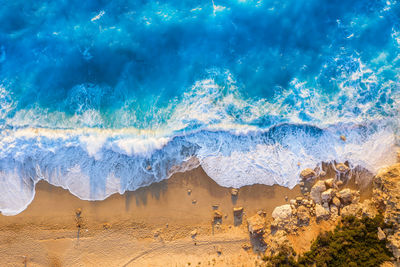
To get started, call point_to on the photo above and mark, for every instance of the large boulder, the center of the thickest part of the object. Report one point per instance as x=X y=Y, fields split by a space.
x=308 y=174
x=283 y=212
x=303 y=216
x=346 y=196
x=256 y=224
x=316 y=191
x=327 y=195
x=321 y=213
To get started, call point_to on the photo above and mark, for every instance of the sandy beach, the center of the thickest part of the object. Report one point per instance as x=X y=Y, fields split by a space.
x=152 y=226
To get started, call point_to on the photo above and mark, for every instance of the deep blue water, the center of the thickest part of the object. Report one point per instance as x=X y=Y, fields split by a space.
x=107 y=96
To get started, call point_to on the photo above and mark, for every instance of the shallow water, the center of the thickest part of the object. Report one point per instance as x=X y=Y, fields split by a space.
x=102 y=97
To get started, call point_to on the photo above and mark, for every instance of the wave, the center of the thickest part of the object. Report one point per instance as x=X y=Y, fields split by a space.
x=93 y=164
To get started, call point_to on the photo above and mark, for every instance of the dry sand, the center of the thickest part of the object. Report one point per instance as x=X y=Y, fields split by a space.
x=149 y=227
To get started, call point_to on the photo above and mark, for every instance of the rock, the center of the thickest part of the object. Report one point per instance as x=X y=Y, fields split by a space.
x=78 y=212
x=381 y=234
x=106 y=226
x=329 y=183
x=307 y=174
x=352 y=209
x=346 y=196
x=246 y=246
x=322 y=173
x=303 y=216
x=157 y=232
x=327 y=195
x=283 y=212
x=193 y=233
x=234 y=192
x=219 y=250
x=256 y=224
x=238 y=211
x=334 y=211
x=339 y=183
x=217 y=215
x=321 y=213
x=341 y=167
x=343 y=138
x=299 y=200
x=293 y=202
x=336 y=202
x=189 y=191
x=286 y=198
x=215 y=206
x=316 y=191
x=194 y=201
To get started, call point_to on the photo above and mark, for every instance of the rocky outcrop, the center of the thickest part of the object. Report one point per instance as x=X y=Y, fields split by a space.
x=386 y=196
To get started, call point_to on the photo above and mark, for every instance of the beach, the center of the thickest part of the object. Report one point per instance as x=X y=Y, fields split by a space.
x=151 y=225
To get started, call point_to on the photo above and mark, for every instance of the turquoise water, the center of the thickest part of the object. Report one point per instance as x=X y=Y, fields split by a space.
x=102 y=97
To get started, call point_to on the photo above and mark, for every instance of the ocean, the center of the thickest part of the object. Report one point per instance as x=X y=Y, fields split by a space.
x=101 y=97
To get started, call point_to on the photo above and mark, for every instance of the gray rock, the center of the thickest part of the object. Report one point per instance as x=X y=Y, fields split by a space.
x=283 y=212
x=316 y=191
x=321 y=213
x=327 y=195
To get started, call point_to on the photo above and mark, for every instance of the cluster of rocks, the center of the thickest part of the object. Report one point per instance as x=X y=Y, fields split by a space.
x=326 y=200
x=386 y=197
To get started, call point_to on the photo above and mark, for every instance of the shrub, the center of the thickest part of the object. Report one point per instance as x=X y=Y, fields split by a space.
x=354 y=242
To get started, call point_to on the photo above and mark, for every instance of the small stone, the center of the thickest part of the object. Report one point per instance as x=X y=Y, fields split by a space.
x=219 y=250
x=106 y=226
x=299 y=200
x=78 y=212
x=307 y=174
x=286 y=198
x=217 y=215
x=381 y=234
x=193 y=233
x=194 y=201
x=215 y=206
x=341 y=167
x=343 y=138
x=246 y=246
x=234 y=192
x=148 y=167
x=189 y=191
